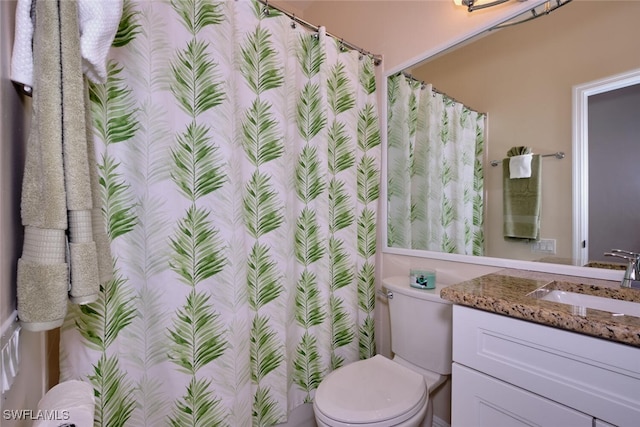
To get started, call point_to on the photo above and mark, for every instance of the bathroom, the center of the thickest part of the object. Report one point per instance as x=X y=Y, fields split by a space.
x=404 y=33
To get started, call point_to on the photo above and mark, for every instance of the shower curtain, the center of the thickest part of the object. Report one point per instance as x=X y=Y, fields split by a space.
x=435 y=172
x=239 y=162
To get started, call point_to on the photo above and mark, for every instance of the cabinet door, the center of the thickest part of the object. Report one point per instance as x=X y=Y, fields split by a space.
x=479 y=400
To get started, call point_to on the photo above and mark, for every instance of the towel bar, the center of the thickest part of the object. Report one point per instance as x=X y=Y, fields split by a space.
x=558 y=155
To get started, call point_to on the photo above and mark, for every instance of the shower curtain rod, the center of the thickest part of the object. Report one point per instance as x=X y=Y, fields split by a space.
x=377 y=59
x=433 y=89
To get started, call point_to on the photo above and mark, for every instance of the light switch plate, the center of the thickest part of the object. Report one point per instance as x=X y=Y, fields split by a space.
x=546 y=246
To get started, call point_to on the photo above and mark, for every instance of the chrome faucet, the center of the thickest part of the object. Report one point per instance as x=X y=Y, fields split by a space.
x=631 y=277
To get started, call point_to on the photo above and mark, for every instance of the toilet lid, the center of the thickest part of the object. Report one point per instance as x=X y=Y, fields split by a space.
x=371 y=391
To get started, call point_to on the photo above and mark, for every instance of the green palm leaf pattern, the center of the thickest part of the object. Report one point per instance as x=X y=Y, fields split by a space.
x=263 y=278
x=447 y=173
x=340 y=207
x=195 y=78
x=448 y=244
x=340 y=269
x=114 y=119
x=261 y=140
x=310 y=118
x=307 y=372
x=197 y=14
x=265 y=410
x=368 y=180
x=262 y=209
x=197 y=334
x=100 y=322
x=368 y=77
x=310 y=55
x=448 y=212
x=368 y=190
x=195 y=161
x=129 y=26
x=468 y=232
x=478 y=187
x=341 y=155
x=366 y=338
x=366 y=288
x=113 y=108
x=118 y=205
x=309 y=246
x=413 y=119
x=444 y=130
x=339 y=90
x=198 y=407
x=198 y=251
x=367 y=233
x=368 y=130
x=309 y=183
x=114 y=394
x=259 y=66
x=309 y=309
x=266 y=353
x=342 y=332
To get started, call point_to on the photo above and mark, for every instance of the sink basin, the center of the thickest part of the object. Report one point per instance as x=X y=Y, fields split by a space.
x=614 y=306
x=582 y=297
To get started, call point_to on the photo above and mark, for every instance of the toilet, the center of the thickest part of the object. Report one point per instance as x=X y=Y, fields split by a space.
x=382 y=392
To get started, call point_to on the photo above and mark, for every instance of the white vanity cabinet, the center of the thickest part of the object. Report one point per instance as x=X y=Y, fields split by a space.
x=510 y=372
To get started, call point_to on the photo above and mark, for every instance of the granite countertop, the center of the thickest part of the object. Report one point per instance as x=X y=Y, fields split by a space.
x=505 y=292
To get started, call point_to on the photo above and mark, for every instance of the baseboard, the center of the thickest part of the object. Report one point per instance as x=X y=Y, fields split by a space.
x=439 y=422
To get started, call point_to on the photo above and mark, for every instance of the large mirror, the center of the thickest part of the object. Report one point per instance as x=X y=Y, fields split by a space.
x=522 y=78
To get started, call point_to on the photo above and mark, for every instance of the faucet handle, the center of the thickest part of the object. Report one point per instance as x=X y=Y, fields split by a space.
x=621 y=251
x=633 y=267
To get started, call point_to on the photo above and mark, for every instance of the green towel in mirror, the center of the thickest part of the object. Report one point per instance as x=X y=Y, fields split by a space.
x=522 y=202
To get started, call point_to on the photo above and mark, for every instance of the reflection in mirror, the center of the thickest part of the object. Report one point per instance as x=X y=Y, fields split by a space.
x=522 y=78
x=435 y=174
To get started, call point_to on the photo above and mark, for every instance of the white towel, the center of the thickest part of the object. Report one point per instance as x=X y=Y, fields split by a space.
x=22 y=56
x=98 y=22
x=98 y=25
x=520 y=166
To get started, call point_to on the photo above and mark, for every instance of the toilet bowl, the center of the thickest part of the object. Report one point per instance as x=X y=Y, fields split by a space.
x=380 y=392
x=376 y=392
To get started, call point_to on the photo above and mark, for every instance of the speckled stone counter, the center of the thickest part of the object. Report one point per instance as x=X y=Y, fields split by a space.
x=506 y=292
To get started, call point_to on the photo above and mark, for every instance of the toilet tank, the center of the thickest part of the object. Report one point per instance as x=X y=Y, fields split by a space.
x=421 y=325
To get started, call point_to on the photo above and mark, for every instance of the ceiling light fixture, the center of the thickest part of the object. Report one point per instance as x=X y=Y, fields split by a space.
x=479 y=4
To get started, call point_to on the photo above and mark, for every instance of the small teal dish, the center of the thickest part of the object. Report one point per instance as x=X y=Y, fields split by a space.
x=422 y=279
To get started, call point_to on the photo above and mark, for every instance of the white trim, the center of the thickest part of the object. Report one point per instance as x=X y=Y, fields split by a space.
x=564 y=269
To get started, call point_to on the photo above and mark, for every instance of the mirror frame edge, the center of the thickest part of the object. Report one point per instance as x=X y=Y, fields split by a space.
x=563 y=269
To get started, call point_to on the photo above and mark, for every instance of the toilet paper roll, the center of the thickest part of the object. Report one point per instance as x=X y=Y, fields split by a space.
x=68 y=403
